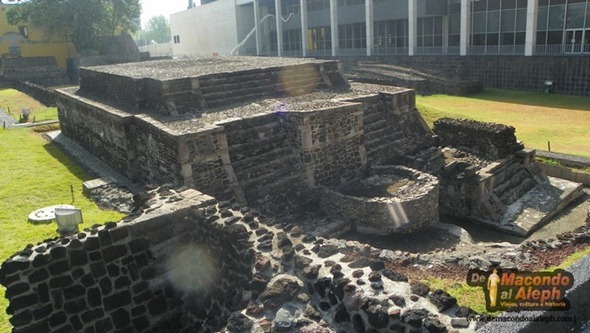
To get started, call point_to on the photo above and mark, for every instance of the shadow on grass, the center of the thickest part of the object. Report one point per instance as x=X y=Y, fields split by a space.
x=578 y=103
x=73 y=165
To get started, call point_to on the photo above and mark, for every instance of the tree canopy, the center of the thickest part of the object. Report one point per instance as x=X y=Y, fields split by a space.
x=78 y=21
x=157 y=29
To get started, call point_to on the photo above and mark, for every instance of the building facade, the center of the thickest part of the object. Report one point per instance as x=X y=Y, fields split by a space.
x=383 y=27
x=22 y=42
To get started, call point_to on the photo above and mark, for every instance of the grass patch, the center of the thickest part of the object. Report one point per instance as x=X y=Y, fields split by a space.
x=472 y=297
x=538 y=118
x=13 y=100
x=553 y=162
x=36 y=174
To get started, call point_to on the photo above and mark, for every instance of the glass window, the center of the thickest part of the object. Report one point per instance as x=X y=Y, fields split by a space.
x=541 y=36
x=508 y=20
x=521 y=3
x=542 y=19
x=493 y=39
x=554 y=37
x=520 y=38
x=454 y=24
x=521 y=20
x=479 y=39
x=479 y=22
x=494 y=21
x=575 y=15
x=588 y=17
x=479 y=5
x=507 y=38
x=556 y=17
x=493 y=4
x=508 y=4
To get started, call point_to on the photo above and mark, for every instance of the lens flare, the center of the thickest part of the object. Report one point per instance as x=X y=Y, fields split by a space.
x=191 y=269
x=300 y=80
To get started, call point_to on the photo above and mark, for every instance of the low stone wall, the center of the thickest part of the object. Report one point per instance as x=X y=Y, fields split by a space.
x=41 y=93
x=565 y=173
x=105 y=133
x=410 y=208
x=493 y=141
x=41 y=71
x=192 y=264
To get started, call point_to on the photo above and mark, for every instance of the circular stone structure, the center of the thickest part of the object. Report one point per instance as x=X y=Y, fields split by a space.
x=46 y=214
x=390 y=199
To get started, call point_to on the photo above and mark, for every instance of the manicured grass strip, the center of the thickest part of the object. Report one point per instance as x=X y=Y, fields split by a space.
x=35 y=174
x=538 y=118
x=14 y=100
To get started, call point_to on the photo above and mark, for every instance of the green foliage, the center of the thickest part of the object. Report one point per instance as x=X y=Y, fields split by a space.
x=79 y=21
x=472 y=297
x=157 y=29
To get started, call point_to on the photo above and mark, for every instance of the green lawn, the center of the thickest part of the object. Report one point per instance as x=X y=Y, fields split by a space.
x=36 y=174
x=13 y=100
x=538 y=118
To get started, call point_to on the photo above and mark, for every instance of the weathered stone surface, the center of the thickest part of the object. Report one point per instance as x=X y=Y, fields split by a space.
x=442 y=299
x=280 y=291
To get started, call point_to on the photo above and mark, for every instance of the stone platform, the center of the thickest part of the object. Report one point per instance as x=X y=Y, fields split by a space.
x=537 y=206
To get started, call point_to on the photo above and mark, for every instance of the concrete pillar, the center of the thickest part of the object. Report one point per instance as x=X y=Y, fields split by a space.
x=531 y=27
x=445 y=31
x=369 y=26
x=303 y=7
x=334 y=25
x=412 y=26
x=279 y=24
x=257 y=24
x=465 y=26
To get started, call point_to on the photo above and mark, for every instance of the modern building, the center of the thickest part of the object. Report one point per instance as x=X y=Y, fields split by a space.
x=383 y=27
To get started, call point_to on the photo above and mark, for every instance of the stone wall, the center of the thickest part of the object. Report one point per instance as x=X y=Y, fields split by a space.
x=392 y=127
x=153 y=155
x=570 y=74
x=133 y=275
x=103 y=133
x=190 y=263
x=413 y=208
x=38 y=70
x=197 y=94
x=493 y=141
x=328 y=140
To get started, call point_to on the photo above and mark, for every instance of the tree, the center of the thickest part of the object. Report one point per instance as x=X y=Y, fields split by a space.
x=79 y=21
x=157 y=29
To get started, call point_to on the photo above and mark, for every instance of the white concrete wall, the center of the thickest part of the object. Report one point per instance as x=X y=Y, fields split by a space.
x=245 y=24
x=205 y=30
x=158 y=50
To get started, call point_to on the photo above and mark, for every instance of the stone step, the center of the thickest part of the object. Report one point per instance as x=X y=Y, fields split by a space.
x=259 y=84
x=376 y=125
x=253 y=133
x=268 y=178
x=214 y=103
x=371 y=116
x=381 y=138
x=259 y=192
x=257 y=147
x=378 y=149
x=261 y=169
x=252 y=160
x=516 y=192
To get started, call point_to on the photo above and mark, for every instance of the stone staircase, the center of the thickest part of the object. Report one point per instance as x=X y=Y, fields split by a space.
x=262 y=157
x=230 y=88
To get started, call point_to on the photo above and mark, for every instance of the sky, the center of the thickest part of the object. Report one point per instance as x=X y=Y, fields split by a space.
x=151 y=8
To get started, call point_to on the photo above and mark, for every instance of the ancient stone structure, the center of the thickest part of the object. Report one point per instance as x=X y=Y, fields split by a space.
x=189 y=263
x=155 y=127
x=392 y=199
x=248 y=143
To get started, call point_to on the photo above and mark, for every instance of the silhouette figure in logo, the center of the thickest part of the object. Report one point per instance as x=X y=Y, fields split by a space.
x=493 y=281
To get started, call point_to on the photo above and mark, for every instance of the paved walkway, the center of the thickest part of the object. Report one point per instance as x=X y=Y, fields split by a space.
x=6 y=120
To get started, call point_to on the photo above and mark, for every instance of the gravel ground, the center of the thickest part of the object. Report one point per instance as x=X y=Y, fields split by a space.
x=314 y=101
x=193 y=67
